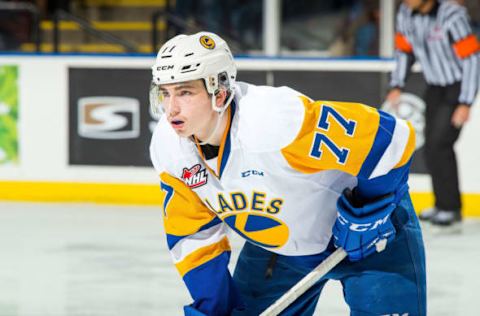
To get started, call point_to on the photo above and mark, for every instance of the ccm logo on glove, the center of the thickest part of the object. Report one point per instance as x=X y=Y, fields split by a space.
x=358 y=227
x=362 y=229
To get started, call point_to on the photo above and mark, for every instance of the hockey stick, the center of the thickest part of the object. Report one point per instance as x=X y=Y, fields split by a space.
x=305 y=283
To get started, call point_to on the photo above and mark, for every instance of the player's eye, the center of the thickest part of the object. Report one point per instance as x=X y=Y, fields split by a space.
x=185 y=92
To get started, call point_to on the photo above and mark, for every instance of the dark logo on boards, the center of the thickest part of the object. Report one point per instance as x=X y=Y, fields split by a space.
x=195 y=176
x=108 y=117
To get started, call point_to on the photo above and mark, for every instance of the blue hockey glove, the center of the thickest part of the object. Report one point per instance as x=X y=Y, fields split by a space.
x=363 y=229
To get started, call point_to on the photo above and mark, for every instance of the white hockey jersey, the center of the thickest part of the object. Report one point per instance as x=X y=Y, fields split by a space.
x=282 y=164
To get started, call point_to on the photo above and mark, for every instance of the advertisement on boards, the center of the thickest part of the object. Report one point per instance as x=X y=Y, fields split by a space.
x=110 y=122
x=109 y=117
x=8 y=115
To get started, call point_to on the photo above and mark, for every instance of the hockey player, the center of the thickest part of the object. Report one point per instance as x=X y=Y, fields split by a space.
x=294 y=177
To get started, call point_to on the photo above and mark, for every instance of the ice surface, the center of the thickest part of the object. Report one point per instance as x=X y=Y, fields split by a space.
x=89 y=259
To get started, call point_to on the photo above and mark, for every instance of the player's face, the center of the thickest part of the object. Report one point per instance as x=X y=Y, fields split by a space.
x=188 y=108
x=413 y=4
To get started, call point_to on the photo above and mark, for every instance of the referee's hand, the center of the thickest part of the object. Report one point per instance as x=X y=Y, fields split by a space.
x=460 y=115
x=393 y=97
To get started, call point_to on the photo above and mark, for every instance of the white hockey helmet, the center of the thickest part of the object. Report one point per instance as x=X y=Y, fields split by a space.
x=202 y=55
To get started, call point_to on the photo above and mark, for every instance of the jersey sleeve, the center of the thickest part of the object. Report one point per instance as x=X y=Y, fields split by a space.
x=404 y=57
x=199 y=248
x=467 y=48
x=354 y=138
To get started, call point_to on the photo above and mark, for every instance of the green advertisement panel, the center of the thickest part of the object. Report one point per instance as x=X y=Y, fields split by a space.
x=8 y=115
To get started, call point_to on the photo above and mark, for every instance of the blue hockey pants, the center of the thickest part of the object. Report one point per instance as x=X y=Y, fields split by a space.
x=388 y=283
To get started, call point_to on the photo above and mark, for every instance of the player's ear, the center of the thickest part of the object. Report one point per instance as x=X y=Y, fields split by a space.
x=220 y=97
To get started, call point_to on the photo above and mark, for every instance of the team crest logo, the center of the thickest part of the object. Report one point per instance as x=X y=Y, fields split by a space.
x=207 y=42
x=260 y=229
x=195 y=176
x=436 y=34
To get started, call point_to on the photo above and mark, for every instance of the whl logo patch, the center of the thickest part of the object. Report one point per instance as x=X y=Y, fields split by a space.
x=195 y=176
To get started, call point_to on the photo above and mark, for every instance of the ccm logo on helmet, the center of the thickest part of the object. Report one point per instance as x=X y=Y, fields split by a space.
x=207 y=42
x=166 y=67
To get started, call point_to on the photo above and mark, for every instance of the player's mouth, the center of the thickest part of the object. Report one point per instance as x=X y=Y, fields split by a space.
x=177 y=124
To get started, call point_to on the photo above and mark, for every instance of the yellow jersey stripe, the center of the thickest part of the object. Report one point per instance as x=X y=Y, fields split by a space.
x=202 y=255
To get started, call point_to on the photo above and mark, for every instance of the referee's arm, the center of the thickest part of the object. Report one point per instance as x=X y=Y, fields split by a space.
x=467 y=48
x=404 y=60
x=404 y=57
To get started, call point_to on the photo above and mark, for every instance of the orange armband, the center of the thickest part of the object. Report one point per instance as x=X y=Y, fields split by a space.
x=402 y=44
x=466 y=46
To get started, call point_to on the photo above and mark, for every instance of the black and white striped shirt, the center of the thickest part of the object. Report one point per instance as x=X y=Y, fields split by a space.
x=443 y=43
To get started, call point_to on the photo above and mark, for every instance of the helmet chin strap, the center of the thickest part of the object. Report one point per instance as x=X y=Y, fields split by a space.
x=220 y=111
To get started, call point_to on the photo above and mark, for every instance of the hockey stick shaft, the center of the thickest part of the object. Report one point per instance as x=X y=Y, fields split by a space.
x=304 y=284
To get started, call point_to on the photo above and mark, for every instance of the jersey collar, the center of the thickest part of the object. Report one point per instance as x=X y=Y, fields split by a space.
x=225 y=145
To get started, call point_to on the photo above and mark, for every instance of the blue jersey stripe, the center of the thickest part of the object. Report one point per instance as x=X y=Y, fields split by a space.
x=172 y=240
x=394 y=181
x=380 y=144
x=212 y=223
x=228 y=142
x=211 y=287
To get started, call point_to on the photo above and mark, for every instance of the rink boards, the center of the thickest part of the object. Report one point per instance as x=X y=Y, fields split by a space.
x=78 y=127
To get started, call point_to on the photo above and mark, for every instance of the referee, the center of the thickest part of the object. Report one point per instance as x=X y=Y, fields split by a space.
x=438 y=35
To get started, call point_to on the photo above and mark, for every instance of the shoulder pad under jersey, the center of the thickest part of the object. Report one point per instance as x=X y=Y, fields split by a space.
x=268 y=118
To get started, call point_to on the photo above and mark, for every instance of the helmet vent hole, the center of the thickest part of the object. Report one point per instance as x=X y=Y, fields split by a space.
x=187 y=68
x=173 y=47
x=189 y=54
x=166 y=56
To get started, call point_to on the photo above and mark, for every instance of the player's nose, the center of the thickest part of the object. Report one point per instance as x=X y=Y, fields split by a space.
x=173 y=106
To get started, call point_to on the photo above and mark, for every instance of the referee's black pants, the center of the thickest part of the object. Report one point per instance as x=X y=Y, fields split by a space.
x=440 y=136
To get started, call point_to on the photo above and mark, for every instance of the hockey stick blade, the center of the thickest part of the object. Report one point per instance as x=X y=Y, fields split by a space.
x=304 y=284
